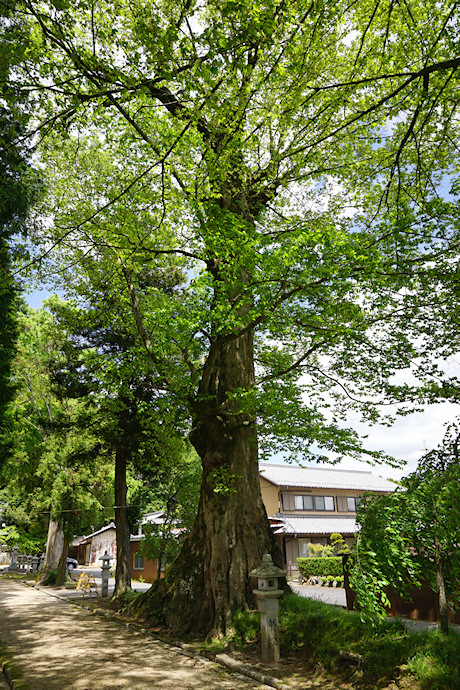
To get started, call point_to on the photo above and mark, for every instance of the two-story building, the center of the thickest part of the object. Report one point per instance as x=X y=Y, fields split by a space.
x=308 y=504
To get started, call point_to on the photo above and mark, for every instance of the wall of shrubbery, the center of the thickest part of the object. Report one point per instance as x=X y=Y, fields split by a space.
x=322 y=567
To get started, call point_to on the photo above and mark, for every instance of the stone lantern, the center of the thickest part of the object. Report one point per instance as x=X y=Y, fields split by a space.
x=105 y=574
x=268 y=595
x=14 y=559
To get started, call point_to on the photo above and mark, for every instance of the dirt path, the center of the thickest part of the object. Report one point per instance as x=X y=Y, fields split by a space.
x=56 y=646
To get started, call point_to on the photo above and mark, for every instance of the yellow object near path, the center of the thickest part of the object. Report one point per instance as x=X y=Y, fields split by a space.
x=87 y=583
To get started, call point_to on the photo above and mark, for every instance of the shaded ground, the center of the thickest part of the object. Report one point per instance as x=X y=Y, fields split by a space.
x=59 y=646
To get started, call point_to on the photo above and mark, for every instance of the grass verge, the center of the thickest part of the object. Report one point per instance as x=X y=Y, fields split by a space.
x=313 y=638
x=317 y=635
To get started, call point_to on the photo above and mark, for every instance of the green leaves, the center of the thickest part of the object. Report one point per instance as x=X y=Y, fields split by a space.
x=411 y=537
x=56 y=465
x=280 y=162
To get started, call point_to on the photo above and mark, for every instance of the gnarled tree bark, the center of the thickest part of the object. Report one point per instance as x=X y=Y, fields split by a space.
x=210 y=578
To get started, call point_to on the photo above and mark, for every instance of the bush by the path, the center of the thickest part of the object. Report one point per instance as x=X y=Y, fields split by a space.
x=325 y=565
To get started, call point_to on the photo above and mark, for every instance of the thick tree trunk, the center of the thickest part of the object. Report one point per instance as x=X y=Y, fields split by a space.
x=54 y=545
x=123 y=568
x=62 y=565
x=210 y=578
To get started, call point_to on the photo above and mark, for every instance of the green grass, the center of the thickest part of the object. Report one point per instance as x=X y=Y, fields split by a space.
x=130 y=596
x=437 y=661
x=318 y=632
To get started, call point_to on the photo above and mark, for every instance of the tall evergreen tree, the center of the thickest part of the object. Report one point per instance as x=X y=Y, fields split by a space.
x=58 y=475
x=103 y=363
x=18 y=189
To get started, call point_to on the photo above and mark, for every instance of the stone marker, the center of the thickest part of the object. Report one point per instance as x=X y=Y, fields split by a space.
x=35 y=562
x=14 y=559
x=268 y=596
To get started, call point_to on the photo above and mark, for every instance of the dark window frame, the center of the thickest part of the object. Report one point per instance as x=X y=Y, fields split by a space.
x=356 y=501
x=315 y=503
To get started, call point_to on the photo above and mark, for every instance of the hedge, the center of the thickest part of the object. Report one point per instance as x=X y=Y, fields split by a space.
x=327 y=565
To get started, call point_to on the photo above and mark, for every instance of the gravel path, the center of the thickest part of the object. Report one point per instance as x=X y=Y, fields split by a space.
x=330 y=595
x=56 y=646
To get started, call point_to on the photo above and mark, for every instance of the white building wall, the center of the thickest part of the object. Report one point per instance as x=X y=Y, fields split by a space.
x=100 y=543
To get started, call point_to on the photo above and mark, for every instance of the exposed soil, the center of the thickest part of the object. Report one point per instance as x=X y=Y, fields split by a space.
x=55 y=645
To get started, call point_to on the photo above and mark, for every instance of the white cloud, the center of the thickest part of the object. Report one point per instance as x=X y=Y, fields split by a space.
x=407 y=439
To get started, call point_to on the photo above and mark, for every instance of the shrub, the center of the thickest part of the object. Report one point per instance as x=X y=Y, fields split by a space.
x=320 y=566
x=330 y=580
x=52 y=577
x=246 y=626
x=338 y=543
x=320 y=550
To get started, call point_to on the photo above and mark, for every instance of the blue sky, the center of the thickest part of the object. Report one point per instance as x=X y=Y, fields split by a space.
x=34 y=299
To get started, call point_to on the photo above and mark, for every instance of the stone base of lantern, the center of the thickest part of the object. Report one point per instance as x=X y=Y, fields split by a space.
x=268 y=604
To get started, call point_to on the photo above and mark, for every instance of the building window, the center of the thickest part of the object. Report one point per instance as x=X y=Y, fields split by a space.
x=308 y=503
x=138 y=561
x=353 y=503
x=324 y=502
x=304 y=551
x=314 y=502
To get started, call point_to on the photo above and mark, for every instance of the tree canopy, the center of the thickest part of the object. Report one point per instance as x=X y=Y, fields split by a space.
x=57 y=469
x=19 y=188
x=100 y=364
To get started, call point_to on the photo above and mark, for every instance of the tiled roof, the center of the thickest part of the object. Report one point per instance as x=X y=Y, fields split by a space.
x=80 y=540
x=323 y=478
x=293 y=524
x=157 y=517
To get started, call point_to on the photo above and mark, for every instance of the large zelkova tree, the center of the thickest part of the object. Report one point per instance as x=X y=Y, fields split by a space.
x=410 y=538
x=237 y=139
